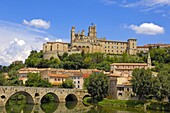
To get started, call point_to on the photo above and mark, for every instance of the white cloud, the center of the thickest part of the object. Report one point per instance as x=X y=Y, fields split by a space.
x=147 y=29
x=46 y=39
x=148 y=3
x=18 y=40
x=38 y=23
x=59 y=40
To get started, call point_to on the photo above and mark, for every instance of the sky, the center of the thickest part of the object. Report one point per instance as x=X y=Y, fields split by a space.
x=26 y=24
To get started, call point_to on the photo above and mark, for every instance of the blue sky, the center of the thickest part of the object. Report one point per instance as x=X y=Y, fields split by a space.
x=25 y=25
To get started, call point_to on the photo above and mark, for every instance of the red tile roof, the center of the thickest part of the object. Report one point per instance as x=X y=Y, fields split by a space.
x=86 y=75
x=58 y=75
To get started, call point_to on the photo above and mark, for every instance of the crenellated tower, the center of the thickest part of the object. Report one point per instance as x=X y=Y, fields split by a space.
x=92 y=31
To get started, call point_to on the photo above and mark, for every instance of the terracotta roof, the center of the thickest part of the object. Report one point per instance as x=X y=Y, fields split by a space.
x=22 y=78
x=114 y=75
x=86 y=75
x=58 y=75
x=130 y=64
x=142 y=46
x=96 y=70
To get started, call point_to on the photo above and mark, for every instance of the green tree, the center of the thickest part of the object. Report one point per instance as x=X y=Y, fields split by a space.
x=163 y=84
x=2 y=79
x=35 y=80
x=68 y=83
x=97 y=86
x=13 y=81
x=141 y=82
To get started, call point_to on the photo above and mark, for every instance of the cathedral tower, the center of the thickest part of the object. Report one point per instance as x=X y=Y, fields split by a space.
x=92 y=31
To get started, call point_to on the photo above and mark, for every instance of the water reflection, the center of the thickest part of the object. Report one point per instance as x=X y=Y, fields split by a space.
x=49 y=107
x=67 y=108
x=70 y=105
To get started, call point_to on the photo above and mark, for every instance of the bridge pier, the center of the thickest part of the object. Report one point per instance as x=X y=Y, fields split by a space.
x=2 y=102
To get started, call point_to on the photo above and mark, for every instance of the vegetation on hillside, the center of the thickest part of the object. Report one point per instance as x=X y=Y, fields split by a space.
x=78 y=61
x=145 y=85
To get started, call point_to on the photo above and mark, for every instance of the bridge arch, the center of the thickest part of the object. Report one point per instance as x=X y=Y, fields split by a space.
x=56 y=98
x=29 y=98
x=71 y=97
x=87 y=95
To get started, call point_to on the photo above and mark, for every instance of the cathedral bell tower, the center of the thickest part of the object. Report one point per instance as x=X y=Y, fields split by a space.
x=149 y=60
x=92 y=31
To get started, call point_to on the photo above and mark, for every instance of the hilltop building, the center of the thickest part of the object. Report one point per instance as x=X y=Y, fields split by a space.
x=89 y=44
x=147 y=47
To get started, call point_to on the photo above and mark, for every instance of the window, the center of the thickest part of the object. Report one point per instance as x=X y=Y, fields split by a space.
x=59 y=79
x=50 y=48
x=120 y=88
x=78 y=86
x=120 y=94
x=78 y=82
x=55 y=79
x=74 y=82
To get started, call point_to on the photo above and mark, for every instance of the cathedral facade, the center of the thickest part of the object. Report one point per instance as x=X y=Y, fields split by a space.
x=89 y=43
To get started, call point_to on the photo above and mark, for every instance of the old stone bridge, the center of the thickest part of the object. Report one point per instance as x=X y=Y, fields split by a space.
x=34 y=95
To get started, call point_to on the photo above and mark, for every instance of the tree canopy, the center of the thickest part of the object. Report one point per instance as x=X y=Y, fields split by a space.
x=141 y=82
x=68 y=83
x=35 y=80
x=97 y=86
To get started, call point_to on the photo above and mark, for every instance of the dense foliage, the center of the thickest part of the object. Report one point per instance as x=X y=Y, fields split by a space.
x=68 y=83
x=145 y=85
x=141 y=82
x=2 y=79
x=35 y=80
x=159 y=86
x=97 y=86
x=78 y=61
x=35 y=59
x=12 y=78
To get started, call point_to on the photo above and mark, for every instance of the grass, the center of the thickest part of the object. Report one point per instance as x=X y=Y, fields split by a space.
x=150 y=105
x=121 y=103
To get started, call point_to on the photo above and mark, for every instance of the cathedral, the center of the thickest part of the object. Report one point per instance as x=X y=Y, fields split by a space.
x=89 y=43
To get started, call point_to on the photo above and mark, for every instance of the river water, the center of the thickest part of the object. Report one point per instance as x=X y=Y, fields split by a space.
x=70 y=107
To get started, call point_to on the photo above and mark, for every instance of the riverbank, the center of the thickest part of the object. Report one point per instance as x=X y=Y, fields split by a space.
x=146 y=105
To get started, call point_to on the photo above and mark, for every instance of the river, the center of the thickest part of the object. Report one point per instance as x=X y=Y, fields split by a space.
x=70 y=107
